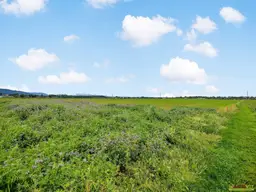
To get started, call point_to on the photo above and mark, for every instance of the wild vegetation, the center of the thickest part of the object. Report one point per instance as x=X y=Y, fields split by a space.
x=77 y=145
x=165 y=103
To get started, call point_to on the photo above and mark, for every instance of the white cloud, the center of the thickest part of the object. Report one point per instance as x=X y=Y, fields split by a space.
x=231 y=15
x=204 y=48
x=168 y=95
x=143 y=31
x=211 y=89
x=121 y=79
x=183 y=70
x=104 y=64
x=70 y=77
x=35 y=59
x=191 y=35
x=71 y=38
x=176 y=94
x=204 y=25
x=19 y=7
x=99 y=4
x=22 y=88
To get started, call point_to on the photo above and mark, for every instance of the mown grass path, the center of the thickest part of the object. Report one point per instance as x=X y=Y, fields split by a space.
x=241 y=135
x=234 y=159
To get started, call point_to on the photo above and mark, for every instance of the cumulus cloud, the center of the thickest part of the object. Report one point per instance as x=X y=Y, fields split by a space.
x=99 y=4
x=22 y=7
x=211 y=89
x=231 y=15
x=204 y=48
x=143 y=31
x=183 y=70
x=183 y=93
x=22 y=88
x=121 y=79
x=191 y=35
x=71 y=38
x=204 y=25
x=170 y=95
x=157 y=92
x=71 y=77
x=35 y=59
x=186 y=93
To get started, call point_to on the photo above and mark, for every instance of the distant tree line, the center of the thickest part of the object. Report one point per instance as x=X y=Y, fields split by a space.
x=119 y=97
x=77 y=96
x=24 y=95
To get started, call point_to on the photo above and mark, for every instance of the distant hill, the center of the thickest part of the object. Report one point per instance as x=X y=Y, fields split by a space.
x=13 y=92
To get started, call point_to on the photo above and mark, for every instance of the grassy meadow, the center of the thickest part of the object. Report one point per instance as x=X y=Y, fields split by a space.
x=126 y=144
x=166 y=103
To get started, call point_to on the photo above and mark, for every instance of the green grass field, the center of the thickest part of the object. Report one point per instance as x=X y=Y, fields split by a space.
x=82 y=145
x=163 y=103
x=168 y=103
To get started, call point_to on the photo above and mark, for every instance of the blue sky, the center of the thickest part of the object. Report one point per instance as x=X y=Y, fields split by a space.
x=131 y=48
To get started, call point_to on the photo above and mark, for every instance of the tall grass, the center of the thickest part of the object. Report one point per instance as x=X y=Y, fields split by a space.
x=47 y=147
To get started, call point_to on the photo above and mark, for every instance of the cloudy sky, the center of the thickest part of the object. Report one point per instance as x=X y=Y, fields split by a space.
x=129 y=47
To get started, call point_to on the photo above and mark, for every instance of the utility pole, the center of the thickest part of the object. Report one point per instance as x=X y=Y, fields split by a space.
x=247 y=95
